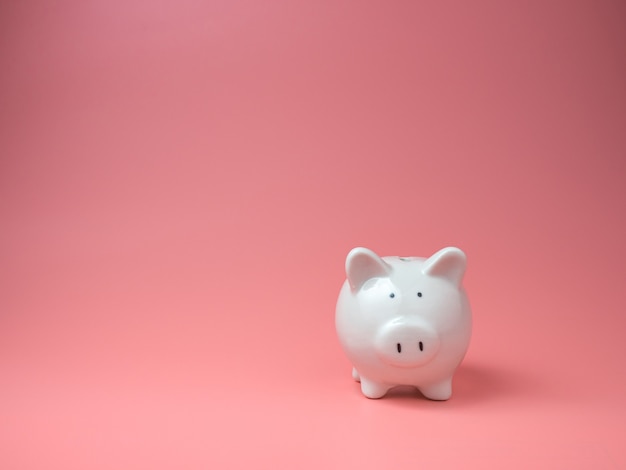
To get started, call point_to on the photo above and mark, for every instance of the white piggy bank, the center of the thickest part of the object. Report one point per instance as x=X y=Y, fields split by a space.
x=404 y=321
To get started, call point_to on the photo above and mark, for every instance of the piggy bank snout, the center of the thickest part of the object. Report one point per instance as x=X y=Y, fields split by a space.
x=406 y=344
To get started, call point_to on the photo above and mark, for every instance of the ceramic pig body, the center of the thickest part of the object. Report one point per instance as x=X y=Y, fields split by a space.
x=404 y=321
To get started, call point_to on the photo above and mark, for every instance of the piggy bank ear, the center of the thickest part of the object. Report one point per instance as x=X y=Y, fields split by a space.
x=363 y=264
x=448 y=263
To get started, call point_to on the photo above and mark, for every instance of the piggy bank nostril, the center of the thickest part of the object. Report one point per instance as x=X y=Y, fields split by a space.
x=399 y=346
x=421 y=345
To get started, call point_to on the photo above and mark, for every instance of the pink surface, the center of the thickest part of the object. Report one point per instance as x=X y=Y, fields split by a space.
x=180 y=183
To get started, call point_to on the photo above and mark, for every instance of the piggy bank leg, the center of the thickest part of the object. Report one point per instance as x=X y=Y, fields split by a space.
x=355 y=375
x=373 y=389
x=438 y=391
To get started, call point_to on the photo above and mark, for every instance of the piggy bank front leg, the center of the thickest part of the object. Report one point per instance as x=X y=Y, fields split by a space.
x=373 y=389
x=438 y=391
x=355 y=375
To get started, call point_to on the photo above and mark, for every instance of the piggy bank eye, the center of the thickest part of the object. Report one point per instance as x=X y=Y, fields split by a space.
x=392 y=295
x=419 y=294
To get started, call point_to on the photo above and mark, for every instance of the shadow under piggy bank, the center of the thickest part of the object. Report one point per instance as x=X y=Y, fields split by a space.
x=472 y=384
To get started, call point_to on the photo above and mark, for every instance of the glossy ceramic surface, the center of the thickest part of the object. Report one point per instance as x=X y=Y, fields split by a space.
x=404 y=321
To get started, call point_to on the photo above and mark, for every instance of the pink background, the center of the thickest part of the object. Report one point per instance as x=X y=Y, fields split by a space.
x=180 y=183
